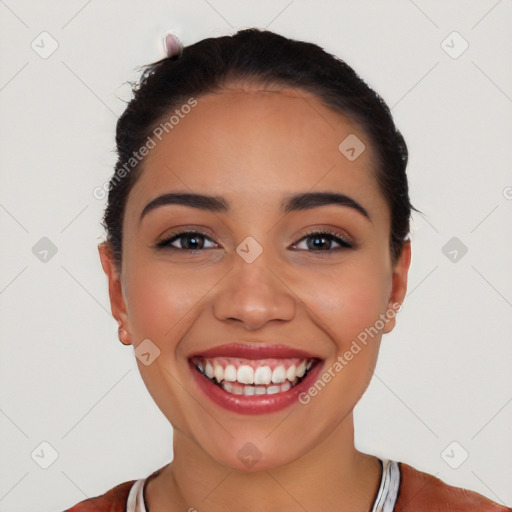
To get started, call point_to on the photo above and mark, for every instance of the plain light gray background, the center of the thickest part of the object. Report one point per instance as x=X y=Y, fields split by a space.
x=444 y=373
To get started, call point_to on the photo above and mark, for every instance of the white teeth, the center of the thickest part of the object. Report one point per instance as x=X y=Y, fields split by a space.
x=301 y=370
x=286 y=386
x=218 y=373
x=239 y=389
x=263 y=375
x=278 y=375
x=230 y=373
x=245 y=374
x=208 y=369
x=260 y=376
x=290 y=373
x=227 y=386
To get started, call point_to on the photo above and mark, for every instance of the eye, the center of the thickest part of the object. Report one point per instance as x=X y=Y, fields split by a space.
x=321 y=241
x=190 y=241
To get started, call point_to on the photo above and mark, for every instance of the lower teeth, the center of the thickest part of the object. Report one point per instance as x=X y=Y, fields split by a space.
x=242 y=389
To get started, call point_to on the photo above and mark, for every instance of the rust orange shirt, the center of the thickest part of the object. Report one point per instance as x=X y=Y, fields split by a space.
x=402 y=489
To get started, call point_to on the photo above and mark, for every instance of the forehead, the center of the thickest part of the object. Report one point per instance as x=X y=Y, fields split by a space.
x=257 y=143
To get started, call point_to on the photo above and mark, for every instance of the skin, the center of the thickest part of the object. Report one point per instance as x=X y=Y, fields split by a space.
x=254 y=145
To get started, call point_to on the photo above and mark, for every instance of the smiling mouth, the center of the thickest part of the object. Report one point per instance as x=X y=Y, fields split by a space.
x=239 y=376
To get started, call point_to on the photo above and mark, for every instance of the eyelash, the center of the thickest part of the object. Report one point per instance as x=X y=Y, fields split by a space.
x=344 y=243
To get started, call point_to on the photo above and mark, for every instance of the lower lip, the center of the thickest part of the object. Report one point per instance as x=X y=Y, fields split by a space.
x=254 y=404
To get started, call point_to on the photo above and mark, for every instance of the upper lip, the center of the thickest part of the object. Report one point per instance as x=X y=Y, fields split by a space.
x=255 y=351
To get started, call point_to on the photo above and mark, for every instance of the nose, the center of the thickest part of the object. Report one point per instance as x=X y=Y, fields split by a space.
x=253 y=294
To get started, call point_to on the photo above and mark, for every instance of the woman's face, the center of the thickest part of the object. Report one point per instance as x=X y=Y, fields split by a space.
x=254 y=276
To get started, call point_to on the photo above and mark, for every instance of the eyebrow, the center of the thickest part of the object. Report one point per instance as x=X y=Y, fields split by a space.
x=301 y=201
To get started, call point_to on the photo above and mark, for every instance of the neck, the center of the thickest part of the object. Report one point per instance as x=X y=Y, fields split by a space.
x=331 y=476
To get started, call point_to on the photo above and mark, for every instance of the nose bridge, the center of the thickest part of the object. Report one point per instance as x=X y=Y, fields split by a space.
x=252 y=292
x=252 y=265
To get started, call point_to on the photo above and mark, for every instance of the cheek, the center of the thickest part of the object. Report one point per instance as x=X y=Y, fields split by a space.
x=160 y=298
x=349 y=299
x=161 y=308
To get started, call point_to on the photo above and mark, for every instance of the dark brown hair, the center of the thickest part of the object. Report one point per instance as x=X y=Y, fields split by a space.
x=264 y=57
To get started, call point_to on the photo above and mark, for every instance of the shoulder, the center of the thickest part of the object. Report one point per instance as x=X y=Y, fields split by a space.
x=422 y=491
x=113 y=500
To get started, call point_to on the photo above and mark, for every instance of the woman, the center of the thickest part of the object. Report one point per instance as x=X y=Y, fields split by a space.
x=257 y=250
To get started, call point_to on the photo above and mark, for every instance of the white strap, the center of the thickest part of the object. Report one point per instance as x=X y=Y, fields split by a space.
x=135 y=501
x=389 y=485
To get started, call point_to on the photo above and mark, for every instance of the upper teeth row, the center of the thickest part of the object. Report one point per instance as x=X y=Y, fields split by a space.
x=246 y=374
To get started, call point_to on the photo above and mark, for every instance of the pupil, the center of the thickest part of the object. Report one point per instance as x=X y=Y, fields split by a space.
x=319 y=245
x=194 y=241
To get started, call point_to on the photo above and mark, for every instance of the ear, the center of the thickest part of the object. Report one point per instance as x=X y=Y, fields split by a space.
x=115 y=291
x=399 y=286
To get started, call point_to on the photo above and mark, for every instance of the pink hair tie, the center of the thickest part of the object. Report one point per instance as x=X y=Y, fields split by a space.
x=172 y=44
